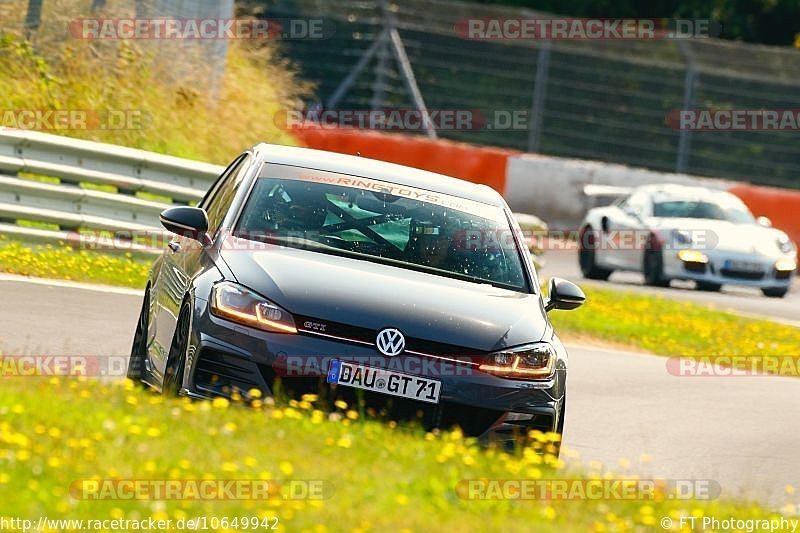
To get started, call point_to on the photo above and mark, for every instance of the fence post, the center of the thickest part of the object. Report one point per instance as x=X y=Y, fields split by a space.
x=684 y=140
x=379 y=83
x=539 y=93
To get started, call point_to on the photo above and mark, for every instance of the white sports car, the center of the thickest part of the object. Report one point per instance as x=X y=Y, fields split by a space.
x=691 y=233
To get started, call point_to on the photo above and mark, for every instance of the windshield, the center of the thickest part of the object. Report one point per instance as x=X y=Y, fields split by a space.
x=358 y=220
x=702 y=209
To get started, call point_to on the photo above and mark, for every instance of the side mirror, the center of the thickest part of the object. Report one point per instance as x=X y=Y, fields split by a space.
x=764 y=221
x=564 y=294
x=191 y=222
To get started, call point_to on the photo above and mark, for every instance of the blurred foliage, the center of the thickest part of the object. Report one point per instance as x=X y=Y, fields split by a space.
x=757 y=21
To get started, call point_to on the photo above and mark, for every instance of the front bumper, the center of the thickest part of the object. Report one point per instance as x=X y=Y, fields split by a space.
x=720 y=269
x=226 y=358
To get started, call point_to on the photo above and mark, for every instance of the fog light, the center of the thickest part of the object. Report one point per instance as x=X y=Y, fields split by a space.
x=692 y=256
x=784 y=265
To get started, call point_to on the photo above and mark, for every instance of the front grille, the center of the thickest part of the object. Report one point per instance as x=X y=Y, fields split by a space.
x=367 y=335
x=697 y=268
x=783 y=274
x=741 y=274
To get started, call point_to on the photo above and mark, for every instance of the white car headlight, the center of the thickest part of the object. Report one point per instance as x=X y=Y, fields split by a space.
x=785 y=244
x=531 y=361
x=238 y=304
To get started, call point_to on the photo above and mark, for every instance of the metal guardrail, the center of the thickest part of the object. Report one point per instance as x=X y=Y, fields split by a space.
x=94 y=195
x=85 y=187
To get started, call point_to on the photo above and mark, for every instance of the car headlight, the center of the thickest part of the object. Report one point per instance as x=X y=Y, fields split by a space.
x=531 y=361
x=238 y=304
x=785 y=244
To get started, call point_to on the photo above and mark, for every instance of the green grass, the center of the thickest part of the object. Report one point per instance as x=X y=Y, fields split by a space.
x=376 y=476
x=673 y=328
x=61 y=262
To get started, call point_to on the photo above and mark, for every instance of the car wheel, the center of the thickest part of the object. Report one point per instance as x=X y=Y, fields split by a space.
x=176 y=360
x=653 y=265
x=775 y=292
x=586 y=257
x=139 y=348
x=708 y=286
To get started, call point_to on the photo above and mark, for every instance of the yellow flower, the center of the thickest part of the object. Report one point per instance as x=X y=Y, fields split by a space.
x=344 y=442
x=286 y=468
x=220 y=402
x=401 y=499
x=549 y=513
x=340 y=404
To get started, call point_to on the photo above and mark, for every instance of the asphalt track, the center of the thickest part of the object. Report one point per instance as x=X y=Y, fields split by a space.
x=741 y=300
x=741 y=432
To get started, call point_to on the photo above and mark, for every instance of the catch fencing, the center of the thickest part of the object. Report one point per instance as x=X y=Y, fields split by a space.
x=606 y=100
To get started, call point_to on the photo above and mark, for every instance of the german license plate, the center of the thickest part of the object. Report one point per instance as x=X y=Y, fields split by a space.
x=383 y=380
x=743 y=266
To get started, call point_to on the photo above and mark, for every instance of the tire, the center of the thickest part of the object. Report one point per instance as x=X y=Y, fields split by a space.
x=176 y=360
x=653 y=265
x=139 y=348
x=775 y=292
x=708 y=286
x=586 y=257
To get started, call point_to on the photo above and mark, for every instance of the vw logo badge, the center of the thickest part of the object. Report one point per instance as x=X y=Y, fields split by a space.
x=390 y=342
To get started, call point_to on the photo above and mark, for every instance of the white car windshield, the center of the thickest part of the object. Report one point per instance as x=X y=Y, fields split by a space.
x=702 y=209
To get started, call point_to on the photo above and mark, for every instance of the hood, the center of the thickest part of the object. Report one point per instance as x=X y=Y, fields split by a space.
x=371 y=295
x=726 y=236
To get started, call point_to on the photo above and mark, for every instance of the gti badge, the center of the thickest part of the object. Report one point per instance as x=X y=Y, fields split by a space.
x=390 y=342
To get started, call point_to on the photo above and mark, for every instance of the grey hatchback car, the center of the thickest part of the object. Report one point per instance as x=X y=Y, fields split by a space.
x=307 y=271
